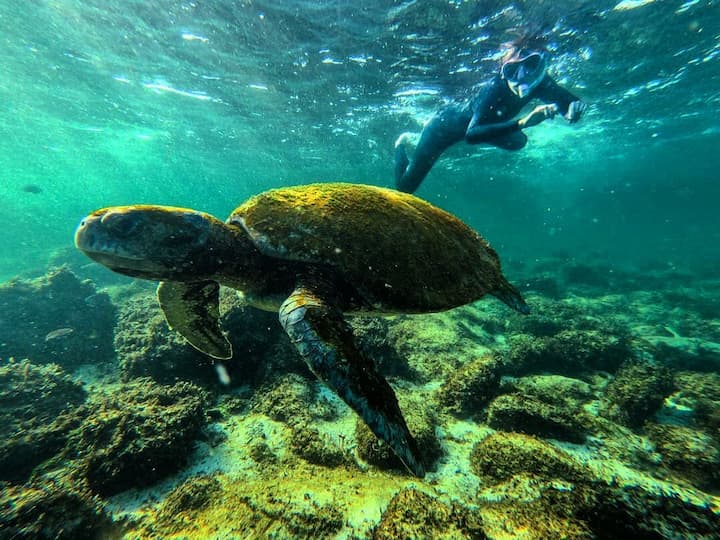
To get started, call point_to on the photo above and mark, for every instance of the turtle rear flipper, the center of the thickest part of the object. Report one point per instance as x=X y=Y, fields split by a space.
x=325 y=341
x=193 y=310
x=510 y=296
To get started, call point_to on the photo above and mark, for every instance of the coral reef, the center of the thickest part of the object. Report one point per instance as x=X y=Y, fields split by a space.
x=633 y=406
x=57 y=319
x=136 y=435
x=36 y=412
x=414 y=514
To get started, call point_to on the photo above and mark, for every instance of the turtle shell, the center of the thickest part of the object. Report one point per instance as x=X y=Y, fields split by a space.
x=398 y=251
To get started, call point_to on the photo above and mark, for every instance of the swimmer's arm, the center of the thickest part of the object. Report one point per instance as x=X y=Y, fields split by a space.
x=569 y=105
x=479 y=133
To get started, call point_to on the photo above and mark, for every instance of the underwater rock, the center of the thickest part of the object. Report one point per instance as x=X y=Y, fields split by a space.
x=293 y=400
x=535 y=490
x=36 y=406
x=595 y=276
x=421 y=420
x=52 y=511
x=568 y=352
x=535 y=508
x=588 y=351
x=557 y=390
x=626 y=511
x=545 y=284
x=137 y=435
x=414 y=514
x=467 y=390
x=261 y=453
x=500 y=456
x=699 y=385
x=678 y=352
x=315 y=447
x=436 y=344
x=273 y=514
x=147 y=347
x=56 y=319
x=689 y=452
x=547 y=318
x=73 y=259
x=702 y=300
x=636 y=393
x=525 y=414
x=371 y=336
x=702 y=392
x=182 y=503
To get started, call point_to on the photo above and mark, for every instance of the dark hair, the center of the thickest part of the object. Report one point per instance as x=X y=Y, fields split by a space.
x=524 y=40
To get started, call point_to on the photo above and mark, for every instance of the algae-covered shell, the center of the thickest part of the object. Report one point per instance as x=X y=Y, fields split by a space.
x=396 y=250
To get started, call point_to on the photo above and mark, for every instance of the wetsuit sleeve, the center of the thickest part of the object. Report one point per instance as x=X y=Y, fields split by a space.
x=551 y=92
x=483 y=127
x=480 y=133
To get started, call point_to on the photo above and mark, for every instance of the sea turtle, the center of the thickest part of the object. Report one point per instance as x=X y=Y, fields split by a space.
x=313 y=253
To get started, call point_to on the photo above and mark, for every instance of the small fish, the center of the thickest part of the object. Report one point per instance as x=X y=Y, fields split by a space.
x=58 y=333
x=32 y=188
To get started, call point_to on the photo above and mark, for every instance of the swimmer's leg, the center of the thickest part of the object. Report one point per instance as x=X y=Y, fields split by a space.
x=415 y=171
x=446 y=128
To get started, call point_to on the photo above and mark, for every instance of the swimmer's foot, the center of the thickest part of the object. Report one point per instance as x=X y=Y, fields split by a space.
x=403 y=138
x=401 y=160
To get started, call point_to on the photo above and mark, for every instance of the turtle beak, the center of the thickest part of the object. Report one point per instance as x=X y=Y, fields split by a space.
x=99 y=233
x=101 y=236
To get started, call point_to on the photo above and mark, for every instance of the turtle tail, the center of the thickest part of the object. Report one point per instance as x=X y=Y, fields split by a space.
x=510 y=296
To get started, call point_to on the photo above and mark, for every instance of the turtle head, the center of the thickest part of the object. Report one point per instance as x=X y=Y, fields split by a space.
x=154 y=242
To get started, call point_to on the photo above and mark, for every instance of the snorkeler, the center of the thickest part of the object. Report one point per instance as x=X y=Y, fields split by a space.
x=488 y=117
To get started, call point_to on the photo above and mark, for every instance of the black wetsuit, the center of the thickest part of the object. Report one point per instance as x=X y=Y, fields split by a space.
x=487 y=118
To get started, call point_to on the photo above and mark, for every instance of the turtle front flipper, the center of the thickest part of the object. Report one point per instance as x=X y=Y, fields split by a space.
x=325 y=341
x=193 y=310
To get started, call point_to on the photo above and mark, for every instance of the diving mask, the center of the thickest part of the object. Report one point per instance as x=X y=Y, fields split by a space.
x=524 y=72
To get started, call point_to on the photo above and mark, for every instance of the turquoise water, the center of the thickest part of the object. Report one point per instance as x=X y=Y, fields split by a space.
x=610 y=227
x=203 y=104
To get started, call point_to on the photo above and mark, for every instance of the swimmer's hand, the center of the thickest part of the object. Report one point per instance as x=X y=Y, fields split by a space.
x=575 y=111
x=538 y=115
